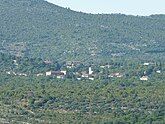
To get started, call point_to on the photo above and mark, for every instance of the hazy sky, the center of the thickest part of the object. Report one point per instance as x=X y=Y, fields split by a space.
x=133 y=7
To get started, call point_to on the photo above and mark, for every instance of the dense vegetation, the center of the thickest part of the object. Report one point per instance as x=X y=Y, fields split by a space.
x=36 y=28
x=36 y=37
x=44 y=100
x=115 y=100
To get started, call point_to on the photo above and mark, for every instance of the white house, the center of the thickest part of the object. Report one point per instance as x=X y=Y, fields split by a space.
x=40 y=74
x=146 y=64
x=63 y=72
x=84 y=75
x=158 y=71
x=144 y=78
x=22 y=74
x=8 y=72
x=79 y=79
x=58 y=74
x=48 y=73
x=91 y=78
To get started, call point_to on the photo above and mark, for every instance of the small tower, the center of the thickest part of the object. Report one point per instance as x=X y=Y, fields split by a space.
x=90 y=71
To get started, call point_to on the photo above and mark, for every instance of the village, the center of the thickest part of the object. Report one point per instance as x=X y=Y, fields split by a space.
x=76 y=70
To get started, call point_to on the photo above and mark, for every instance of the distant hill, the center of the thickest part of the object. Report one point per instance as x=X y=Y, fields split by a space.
x=36 y=28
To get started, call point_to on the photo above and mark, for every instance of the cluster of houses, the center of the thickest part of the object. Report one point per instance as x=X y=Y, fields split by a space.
x=145 y=77
x=89 y=74
x=62 y=74
x=16 y=74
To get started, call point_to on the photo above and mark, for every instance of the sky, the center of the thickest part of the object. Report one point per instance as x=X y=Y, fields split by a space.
x=129 y=7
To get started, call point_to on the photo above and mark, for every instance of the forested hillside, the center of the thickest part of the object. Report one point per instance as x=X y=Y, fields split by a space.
x=66 y=67
x=26 y=97
x=36 y=28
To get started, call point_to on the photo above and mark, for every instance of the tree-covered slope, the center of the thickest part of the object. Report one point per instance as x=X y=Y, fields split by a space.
x=36 y=28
